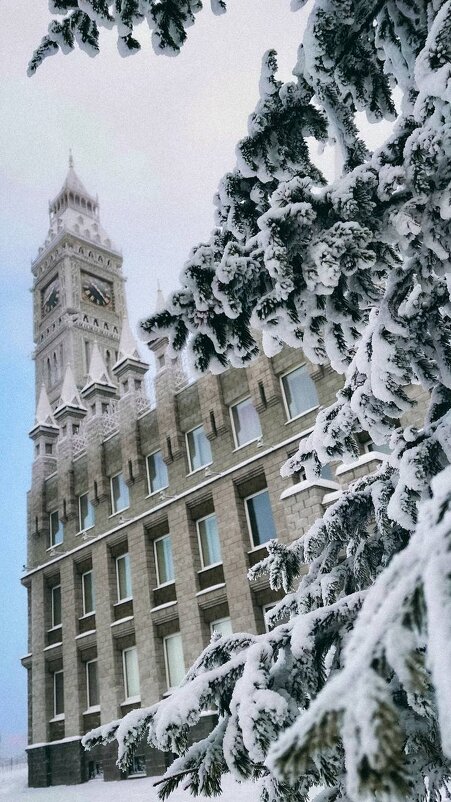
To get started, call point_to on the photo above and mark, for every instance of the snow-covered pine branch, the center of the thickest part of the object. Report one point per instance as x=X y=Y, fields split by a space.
x=353 y=693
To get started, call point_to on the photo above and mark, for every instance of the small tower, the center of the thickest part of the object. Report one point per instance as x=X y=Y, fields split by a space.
x=99 y=390
x=44 y=435
x=130 y=368
x=70 y=410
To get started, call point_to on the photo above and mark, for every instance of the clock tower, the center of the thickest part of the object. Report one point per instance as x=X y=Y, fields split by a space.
x=78 y=291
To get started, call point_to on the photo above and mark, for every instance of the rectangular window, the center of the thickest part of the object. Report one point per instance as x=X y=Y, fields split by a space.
x=174 y=660
x=259 y=518
x=199 y=451
x=56 y=606
x=223 y=626
x=92 y=687
x=120 y=498
x=163 y=560
x=299 y=392
x=58 y=694
x=124 y=577
x=87 y=587
x=56 y=529
x=265 y=610
x=131 y=672
x=368 y=446
x=209 y=545
x=157 y=472
x=85 y=513
x=246 y=423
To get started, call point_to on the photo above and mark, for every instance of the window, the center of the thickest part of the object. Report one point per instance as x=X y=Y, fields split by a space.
x=131 y=672
x=174 y=660
x=92 y=687
x=124 y=578
x=266 y=609
x=138 y=767
x=368 y=446
x=246 y=423
x=58 y=694
x=259 y=518
x=56 y=606
x=199 y=451
x=56 y=530
x=120 y=499
x=49 y=448
x=87 y=587
x=163 y=560
x=223 y=626
x=209 y=545
x=299 y=392
x=157 y=473
x=85 y=513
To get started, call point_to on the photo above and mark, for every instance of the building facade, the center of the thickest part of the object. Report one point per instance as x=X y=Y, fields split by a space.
x=146 y=509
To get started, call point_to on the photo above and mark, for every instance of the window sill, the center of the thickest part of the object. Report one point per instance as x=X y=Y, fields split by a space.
x=55 y=628
x=302 y=414
x=122 y=620
x=83 y=531
x=154 y=493
x=113 y=514
x=59 y=717
x=122 y=601
x=247 y=443
x=53 y=548
x=261 y=546
x=164 y=585
x=87 y=615
x=201 y=468
x=208 y=567
x=132 y=700
x=211 y=588
x=93 y=709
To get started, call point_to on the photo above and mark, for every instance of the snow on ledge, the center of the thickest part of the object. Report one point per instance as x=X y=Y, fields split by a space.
x=307 y=484
x=329 y=498
x=163 y=606
x=122 y=620
x=212 y=587
x=363 y=459
x=51 y=743
x=52 y=646
x=85 y=634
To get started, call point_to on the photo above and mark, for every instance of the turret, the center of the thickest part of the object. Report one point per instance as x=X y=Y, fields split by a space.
x=130 y=368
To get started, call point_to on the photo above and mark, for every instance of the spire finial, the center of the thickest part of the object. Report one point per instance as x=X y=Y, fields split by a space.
x=71 y=158
x=160 y=298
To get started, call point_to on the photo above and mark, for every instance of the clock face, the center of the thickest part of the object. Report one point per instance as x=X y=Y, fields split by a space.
x=96 y=291
x=50 y=296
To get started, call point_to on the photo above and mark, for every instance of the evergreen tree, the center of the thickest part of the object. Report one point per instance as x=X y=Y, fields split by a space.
x=353 y=694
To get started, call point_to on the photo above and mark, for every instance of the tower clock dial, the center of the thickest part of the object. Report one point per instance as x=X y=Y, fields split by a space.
x=50 y=296
x=96 y=291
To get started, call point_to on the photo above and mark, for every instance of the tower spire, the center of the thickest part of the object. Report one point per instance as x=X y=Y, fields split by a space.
x=97 y=373
x=44 y=414
x=159 y=306
x=71 y=159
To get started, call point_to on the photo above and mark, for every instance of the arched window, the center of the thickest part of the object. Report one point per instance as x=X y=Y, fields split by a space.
x=49 y=372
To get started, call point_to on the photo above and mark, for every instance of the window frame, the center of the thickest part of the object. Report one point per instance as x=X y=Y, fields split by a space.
x=88 y=700
x=235 y=438
x=254 y=547
x=52 y=590
x=204 y=567
x=170 y=688
x=190 y=463
x=284 y=398
x=157 y=572
x=130 y=596
x=137 y=696
x=57 y=716
x=54 y=544
x=115 y=511
x=149 y=488
x=265 y=609
x=91 y=526
x=85 y=611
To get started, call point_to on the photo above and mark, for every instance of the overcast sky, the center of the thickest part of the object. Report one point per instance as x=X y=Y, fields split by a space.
x=152 y=136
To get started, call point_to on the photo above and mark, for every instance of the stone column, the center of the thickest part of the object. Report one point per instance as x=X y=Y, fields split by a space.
x=190 y=616
x=73 y=702
x=109 y=689
x=39 y=707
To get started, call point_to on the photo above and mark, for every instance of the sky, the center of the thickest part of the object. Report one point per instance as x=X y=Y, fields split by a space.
x=152 y=136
